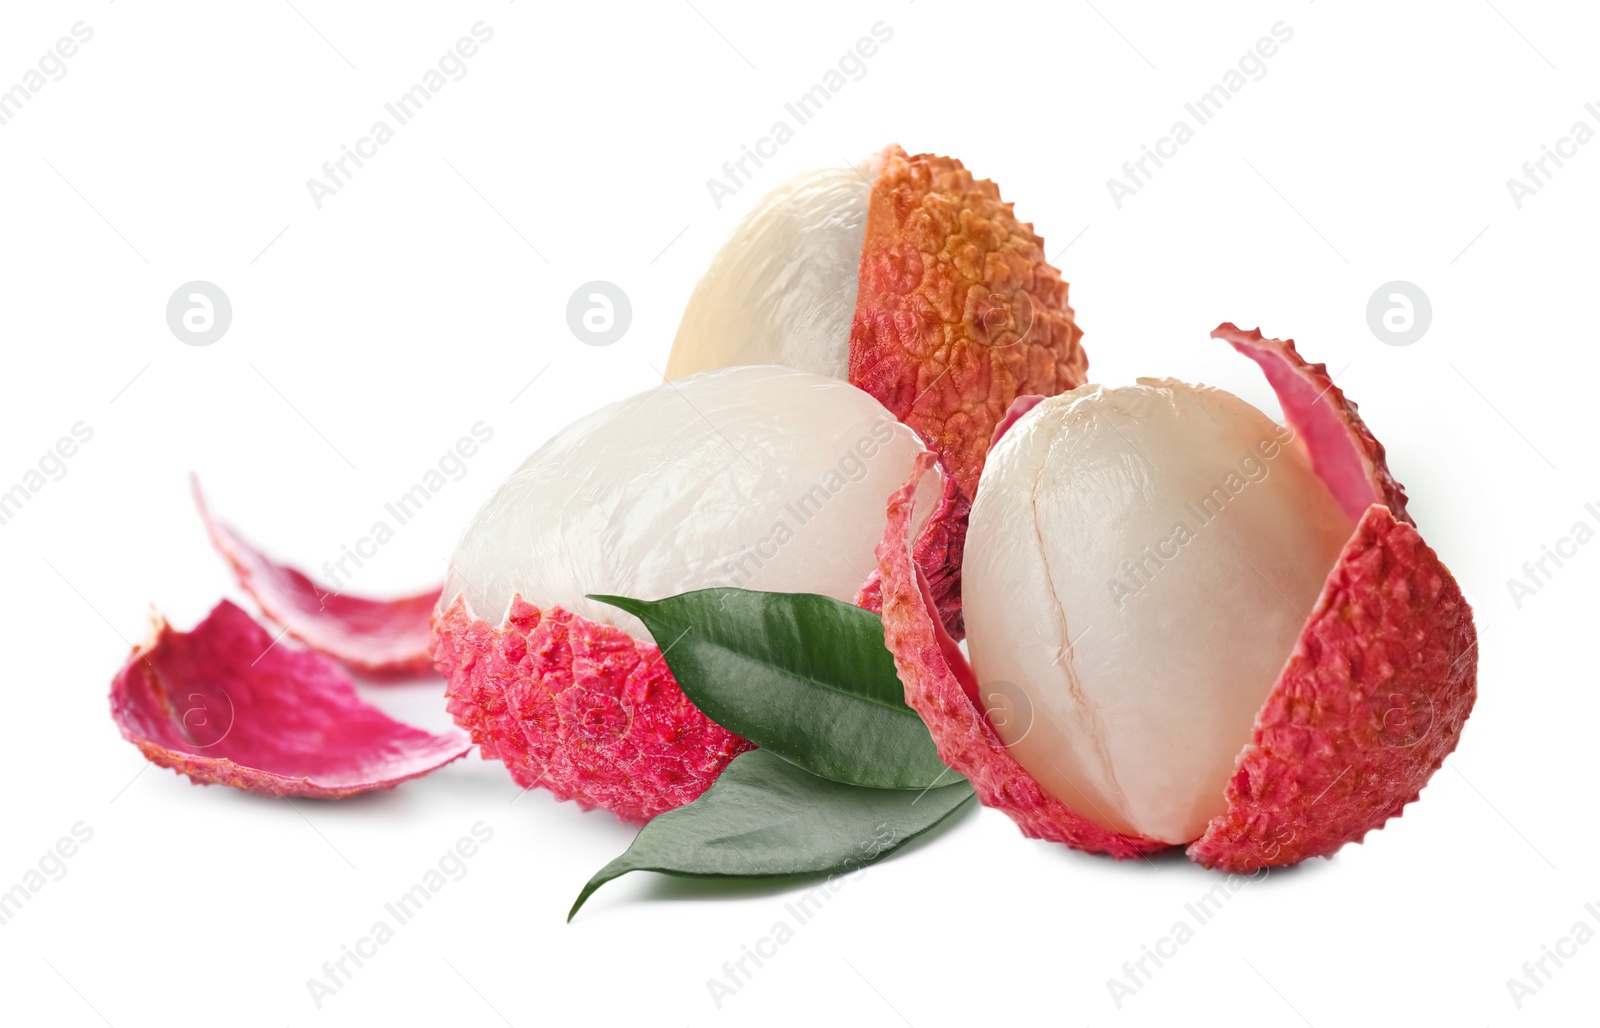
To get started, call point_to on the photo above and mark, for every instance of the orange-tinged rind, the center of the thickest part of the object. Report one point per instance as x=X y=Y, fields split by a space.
x=958 y=312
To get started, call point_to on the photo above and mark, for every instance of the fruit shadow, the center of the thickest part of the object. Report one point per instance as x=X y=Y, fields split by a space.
x=1174 y=861
x=469 y=781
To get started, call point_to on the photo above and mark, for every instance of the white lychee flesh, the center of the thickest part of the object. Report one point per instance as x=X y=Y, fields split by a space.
x=750 y=477
x=782 y=290
x=1139 y=565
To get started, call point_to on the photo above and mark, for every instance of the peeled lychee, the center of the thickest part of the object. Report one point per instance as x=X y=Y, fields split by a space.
x=754 y=477
x=1190 y=626
x=908 y=278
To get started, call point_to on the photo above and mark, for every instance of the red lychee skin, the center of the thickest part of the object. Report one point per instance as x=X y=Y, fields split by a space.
x=379 y=638
x=580 y=708
x=957 y=310
x=940 y=686
x=1372 y=700
x=937 y=553
x=1343 y=451
x=1016 y=412
x=226 y=705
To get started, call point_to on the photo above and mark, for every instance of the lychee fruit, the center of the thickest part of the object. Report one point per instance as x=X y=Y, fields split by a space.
x=752 y=477
x=906 y=277
x=1190 y=626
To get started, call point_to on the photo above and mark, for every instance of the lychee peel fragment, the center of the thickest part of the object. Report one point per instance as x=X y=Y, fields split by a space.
x=942 y=689
x=580 y=708
x=380 y=638
x=957 y=310
x=1343 y=451
x=1382 y=679
x=225 y=705
x=937 y=554
x=1016 y=412
x=1371 y=701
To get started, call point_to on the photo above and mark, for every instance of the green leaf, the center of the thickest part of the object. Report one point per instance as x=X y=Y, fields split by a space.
x=766 y=818
x=806 y=677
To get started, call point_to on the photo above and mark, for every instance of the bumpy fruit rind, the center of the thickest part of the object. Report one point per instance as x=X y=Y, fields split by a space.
x=937 y=554
x=940 y=686
x=1380 y=684
x=226 y=706
x=379 y=638
x=1371 y=701
x=1343 y=451
x=580 y=708
x=957 y=310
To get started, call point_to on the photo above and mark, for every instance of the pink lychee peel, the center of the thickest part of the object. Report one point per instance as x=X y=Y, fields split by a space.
x=937 y=554
x=1344 y=453
x=226 y=705
x=379 y=638
x=1389 y=641
x=1372 y=700
x=580 y=708
x=1015 y=413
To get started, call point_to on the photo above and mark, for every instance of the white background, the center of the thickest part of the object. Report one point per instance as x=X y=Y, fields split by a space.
x=368 y=335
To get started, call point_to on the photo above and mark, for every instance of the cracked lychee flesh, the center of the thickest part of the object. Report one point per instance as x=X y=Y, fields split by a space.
x=1189 y=626
x=904 y=275
x=1139 y=561
x=753 y=477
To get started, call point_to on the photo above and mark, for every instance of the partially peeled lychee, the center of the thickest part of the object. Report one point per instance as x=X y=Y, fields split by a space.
x=906 y=277
x=753 y=477
x=1189 y=626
